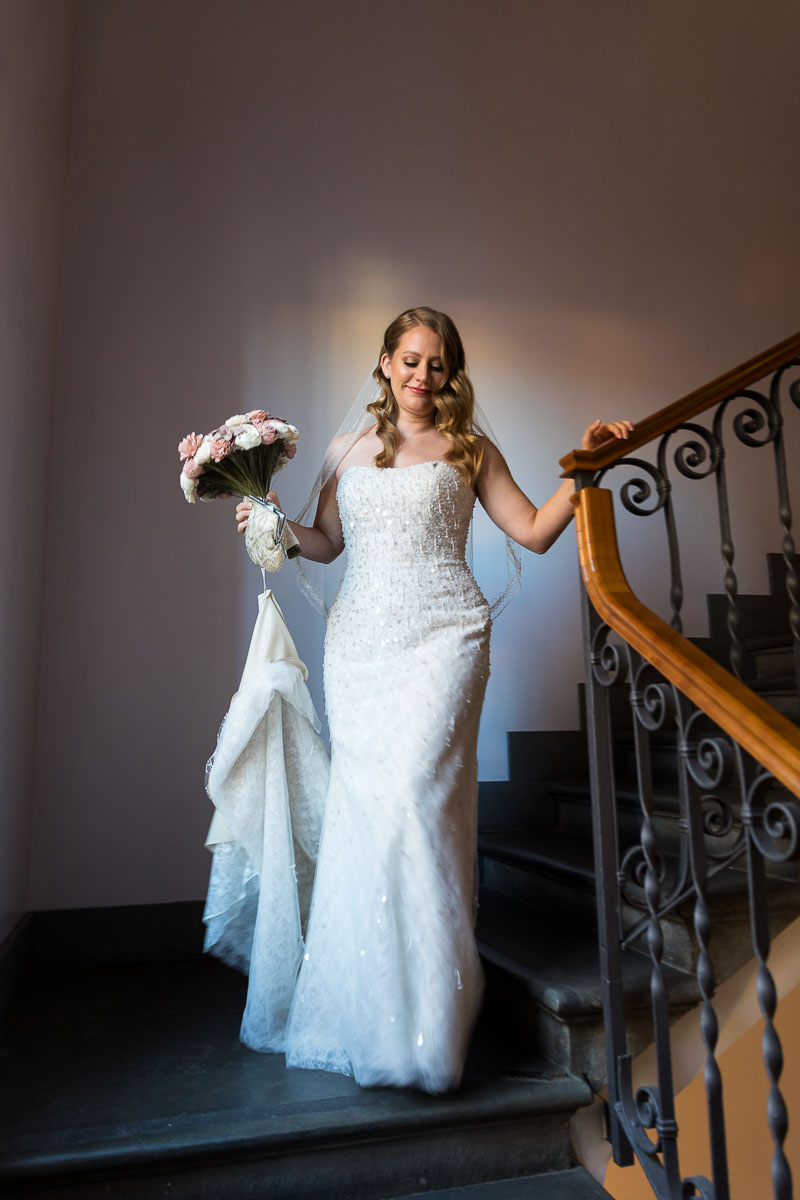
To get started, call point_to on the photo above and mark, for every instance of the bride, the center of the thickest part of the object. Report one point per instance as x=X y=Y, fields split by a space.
x=390 y=982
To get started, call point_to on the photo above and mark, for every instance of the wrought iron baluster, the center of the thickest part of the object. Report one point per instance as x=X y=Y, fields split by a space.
x=773 y=832
x=746 y=426
x=696 y=458
x=704 y=765
x=652 y=709
x=785 y=510
x=736 y=650
x=604 y=835
x=604 y=832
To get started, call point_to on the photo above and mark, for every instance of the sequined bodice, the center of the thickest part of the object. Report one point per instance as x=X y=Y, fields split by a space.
x=405 y=516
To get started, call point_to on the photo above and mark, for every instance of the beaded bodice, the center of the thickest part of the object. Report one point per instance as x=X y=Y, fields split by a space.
x=406 y=531
x=405 y=515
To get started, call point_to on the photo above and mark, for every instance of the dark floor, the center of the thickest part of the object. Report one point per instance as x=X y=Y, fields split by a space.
x=149 y=1056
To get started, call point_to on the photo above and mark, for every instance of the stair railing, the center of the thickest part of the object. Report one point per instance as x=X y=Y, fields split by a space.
x=737 y=761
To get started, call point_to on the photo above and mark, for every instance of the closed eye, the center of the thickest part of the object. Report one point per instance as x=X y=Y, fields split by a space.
x=409 y=362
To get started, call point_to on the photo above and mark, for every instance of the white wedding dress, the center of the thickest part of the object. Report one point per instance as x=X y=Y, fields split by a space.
x=390 y=981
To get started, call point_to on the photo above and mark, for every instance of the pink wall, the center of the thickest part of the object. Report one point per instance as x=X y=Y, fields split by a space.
x=35 y=65
x=603 y=196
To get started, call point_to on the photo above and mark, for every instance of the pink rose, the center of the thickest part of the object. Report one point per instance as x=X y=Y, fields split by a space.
x=221 y=442
x=192 y=469
x=257 y=414
x=190 y=445
x=268 y=432
x=288 y=449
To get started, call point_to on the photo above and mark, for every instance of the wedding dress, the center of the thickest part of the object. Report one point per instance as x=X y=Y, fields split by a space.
x=390 y=982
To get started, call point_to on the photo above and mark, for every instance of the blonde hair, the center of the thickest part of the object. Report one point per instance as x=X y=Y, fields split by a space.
x=454 y=401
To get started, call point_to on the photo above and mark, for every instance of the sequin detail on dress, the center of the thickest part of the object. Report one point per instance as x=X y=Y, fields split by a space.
x=391 y=983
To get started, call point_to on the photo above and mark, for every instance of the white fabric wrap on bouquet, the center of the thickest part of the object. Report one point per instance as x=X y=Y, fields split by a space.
x=268 y=780
x=264 y=546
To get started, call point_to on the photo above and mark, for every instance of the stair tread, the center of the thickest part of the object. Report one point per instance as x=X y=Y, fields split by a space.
x=575 y=1184
x=770 y=641
x=774 y=683
x=117 y=1098
x=571 y=854
x=625 y=789
x=551 y=848
x=560 y=962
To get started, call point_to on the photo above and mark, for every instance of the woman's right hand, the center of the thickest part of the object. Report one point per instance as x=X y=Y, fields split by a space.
x=245 y=507
x=243 y=510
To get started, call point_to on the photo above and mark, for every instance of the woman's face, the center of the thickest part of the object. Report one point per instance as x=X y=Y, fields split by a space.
x=415 y=370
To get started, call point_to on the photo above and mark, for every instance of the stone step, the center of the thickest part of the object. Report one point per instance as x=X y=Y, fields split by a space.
x=759 y=614
x=131 y=1082
x=575 y=816
x=554 y=871
x=507 y=804
x=548 y=976
x=780 y=693
x=576 y=1184
x=773 y=656
x=776 y=571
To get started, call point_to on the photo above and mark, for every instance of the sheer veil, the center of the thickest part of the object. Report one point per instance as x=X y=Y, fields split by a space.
x=356 y=423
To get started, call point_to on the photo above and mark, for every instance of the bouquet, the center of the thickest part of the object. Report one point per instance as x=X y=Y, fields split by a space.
x=240 y=458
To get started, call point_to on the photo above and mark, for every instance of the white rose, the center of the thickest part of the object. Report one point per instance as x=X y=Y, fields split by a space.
x=189 y=488
x=238 y=420
x=248 y=438
x=203 y=454
x=288 y=433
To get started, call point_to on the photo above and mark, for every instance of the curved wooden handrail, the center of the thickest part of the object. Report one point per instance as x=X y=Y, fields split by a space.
x=764 y=733
x=683 y=410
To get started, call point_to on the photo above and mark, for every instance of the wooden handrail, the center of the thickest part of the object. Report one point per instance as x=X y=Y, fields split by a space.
x=764 y=733
x=683 y=410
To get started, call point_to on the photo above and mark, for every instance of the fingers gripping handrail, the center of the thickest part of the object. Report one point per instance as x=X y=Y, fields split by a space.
x=764 y=733
x=689 y=406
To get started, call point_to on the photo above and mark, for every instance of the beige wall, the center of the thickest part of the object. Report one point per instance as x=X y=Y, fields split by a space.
x=603 y=196
x=35 y=67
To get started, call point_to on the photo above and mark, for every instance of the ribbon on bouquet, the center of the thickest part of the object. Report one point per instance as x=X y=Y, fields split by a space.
x=268 y=538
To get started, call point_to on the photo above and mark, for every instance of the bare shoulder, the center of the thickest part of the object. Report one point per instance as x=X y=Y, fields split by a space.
x=338 y=448
x=493 y=460
x=361 y=451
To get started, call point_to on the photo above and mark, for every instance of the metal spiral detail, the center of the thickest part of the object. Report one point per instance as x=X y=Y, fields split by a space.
x=652 y=703
x=696 y=458
x=609 y=664
x=717 y=816
x=710 y=761
x=635 y=492
x=752 y=422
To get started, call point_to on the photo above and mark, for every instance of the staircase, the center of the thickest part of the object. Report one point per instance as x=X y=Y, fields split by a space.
x=126 y=1079
x=537 y=926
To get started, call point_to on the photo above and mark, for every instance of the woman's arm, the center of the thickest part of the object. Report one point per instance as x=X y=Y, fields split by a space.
x=534 y=528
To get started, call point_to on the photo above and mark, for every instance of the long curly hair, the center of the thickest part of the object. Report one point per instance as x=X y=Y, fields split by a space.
x=454 y=401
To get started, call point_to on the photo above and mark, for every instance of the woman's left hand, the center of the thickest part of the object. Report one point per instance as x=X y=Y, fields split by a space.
x=600 y=431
